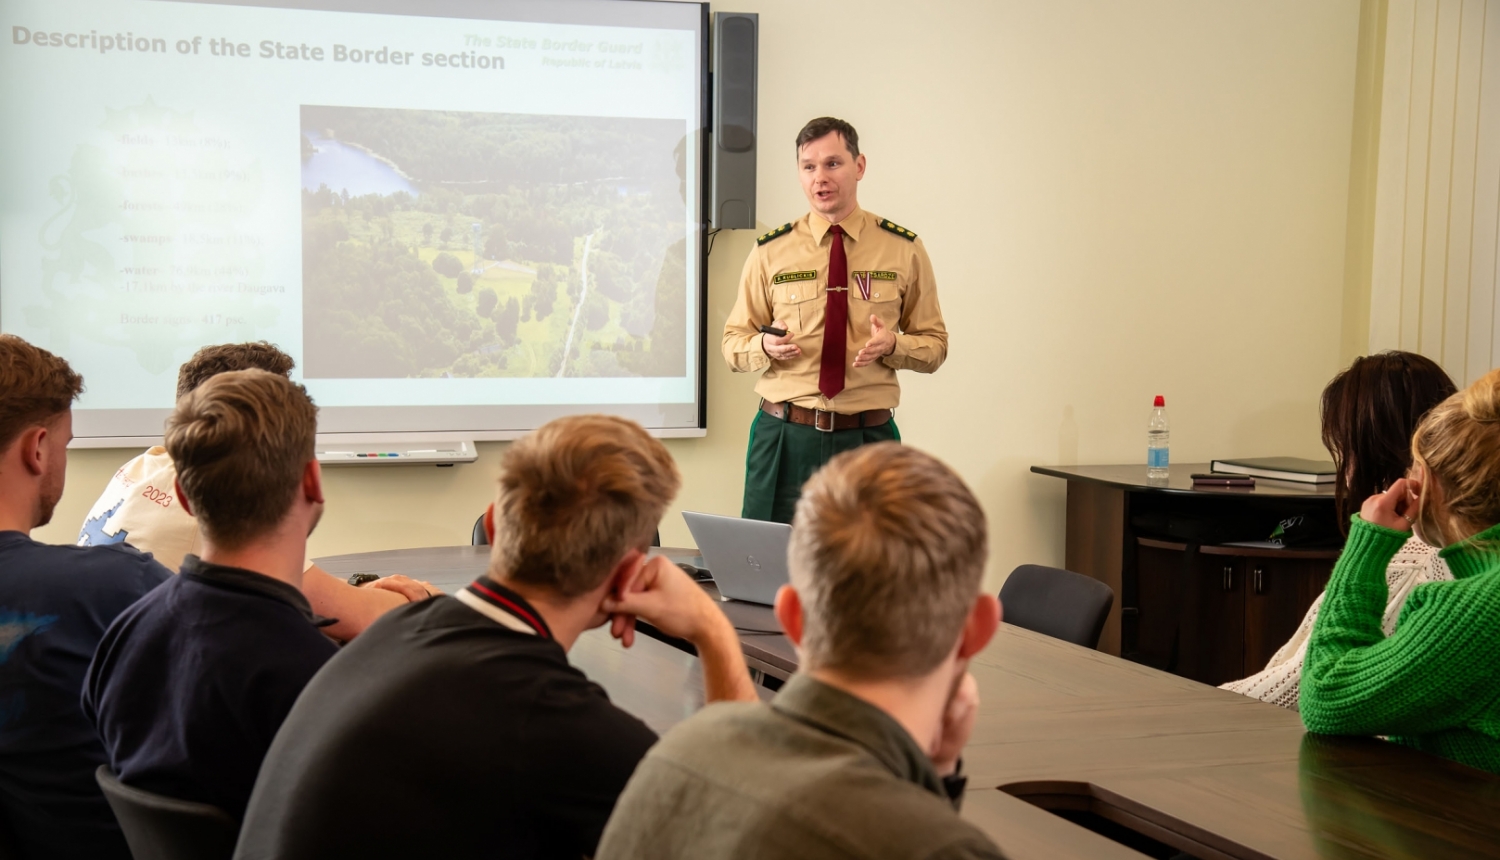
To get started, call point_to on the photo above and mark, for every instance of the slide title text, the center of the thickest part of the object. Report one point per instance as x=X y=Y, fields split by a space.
x=267 y=49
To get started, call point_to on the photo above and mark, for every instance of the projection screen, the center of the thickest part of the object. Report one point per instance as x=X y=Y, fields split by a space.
x=459 y=216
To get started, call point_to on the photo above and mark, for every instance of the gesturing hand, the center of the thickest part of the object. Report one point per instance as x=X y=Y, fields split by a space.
x=780 y=348
x=880 y=344
x=1392 y=508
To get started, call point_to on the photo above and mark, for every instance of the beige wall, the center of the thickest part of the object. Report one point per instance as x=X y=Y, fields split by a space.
x=1120 y=199
x=1364 y=174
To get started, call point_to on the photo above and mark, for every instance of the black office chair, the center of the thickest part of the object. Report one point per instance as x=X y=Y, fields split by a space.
x=164 y=828
x=479 y=538
x=1057 y=603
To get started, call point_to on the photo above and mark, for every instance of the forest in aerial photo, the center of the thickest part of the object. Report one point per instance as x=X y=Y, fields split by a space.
x=454 y=244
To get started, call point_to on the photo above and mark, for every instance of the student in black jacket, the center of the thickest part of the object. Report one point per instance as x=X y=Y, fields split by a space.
x=456 y=727
x=189 y=685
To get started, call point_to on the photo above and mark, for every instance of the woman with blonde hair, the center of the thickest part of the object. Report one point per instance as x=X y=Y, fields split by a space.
x=1369 y=412
x=1434 y=683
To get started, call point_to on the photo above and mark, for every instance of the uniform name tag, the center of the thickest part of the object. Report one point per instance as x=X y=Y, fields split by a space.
x=879 y=276
x=785 y=277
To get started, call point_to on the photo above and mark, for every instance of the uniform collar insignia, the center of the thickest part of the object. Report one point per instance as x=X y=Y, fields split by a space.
x=778 y=232
x=892 y=226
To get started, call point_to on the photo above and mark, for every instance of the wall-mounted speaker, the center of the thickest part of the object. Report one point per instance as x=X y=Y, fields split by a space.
x=732 y=160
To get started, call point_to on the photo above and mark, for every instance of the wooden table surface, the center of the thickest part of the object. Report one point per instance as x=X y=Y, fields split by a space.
x=1207 y=772
x=453 y=567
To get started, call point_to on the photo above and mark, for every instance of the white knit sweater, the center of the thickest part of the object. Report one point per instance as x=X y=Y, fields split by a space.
x=1279 y=682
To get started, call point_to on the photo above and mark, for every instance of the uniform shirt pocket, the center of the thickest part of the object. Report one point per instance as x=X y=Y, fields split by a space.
x=791 y=303
x=876 y=294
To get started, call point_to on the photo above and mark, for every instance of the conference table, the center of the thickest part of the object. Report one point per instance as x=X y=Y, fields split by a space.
x=1078 y=754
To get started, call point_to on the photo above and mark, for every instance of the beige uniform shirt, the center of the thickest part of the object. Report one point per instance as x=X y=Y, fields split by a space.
x=786 y=278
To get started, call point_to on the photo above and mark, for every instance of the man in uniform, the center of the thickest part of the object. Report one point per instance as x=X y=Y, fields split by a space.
x=856 y=297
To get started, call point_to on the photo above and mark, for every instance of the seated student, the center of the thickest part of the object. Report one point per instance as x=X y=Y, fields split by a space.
x=1369 y=413
x=190 y=684
x=55 y=603
x=1433 y=683
x=139 y=507
x=858 y=754
x=463 y=711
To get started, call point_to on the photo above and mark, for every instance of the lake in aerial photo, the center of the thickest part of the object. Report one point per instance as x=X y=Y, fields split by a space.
x=344 y=167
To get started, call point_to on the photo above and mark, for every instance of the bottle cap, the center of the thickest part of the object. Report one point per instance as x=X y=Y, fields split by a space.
x=1160 y=401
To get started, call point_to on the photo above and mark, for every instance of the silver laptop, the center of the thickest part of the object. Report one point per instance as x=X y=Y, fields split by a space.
x=747 y=558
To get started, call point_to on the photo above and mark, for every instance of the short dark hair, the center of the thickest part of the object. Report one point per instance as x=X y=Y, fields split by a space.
x=1369 y=413
x=824 y=125
x=35 y=387
x=211 y=361
x=240 y=442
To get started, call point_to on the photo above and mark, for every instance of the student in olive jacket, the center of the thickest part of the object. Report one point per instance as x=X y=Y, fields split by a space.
x=858 y=756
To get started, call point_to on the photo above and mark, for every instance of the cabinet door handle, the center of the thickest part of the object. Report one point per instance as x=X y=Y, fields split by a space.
x=1228 y=577
x=1260 y=581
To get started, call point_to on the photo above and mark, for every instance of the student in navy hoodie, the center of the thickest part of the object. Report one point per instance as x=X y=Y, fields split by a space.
x=55 y=603
x=190 y=684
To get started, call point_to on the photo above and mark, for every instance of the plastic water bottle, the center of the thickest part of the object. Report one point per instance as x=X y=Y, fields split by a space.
x=1158 y=436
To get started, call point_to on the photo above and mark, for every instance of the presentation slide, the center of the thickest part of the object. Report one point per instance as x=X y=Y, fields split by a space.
x=460 y=216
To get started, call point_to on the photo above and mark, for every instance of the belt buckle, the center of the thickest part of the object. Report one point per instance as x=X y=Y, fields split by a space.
x=818 y=421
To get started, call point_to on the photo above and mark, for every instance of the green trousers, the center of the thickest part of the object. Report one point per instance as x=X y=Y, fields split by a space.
x=783 y=455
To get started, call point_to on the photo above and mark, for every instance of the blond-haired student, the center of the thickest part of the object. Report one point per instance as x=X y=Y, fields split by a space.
x=1434 y=683
x=858 y=755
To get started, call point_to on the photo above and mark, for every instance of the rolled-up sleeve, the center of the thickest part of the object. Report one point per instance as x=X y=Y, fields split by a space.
x=743 y=350
x=922 y=343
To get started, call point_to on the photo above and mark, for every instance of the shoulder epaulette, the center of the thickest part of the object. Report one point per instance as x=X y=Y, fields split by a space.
x=779 y=231
x=898 y=230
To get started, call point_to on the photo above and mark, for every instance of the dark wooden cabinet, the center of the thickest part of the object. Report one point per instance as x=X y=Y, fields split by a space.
x=1278 y=592
x=1190 y=605
x=1216 y=613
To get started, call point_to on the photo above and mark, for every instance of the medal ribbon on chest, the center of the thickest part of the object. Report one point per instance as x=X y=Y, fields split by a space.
x=862 y=280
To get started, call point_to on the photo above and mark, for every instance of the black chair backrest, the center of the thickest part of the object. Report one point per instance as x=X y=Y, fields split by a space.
x=1056 y=602
x=164 y=828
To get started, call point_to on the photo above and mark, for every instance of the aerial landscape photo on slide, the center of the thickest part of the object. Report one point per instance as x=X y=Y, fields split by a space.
x=457 y=244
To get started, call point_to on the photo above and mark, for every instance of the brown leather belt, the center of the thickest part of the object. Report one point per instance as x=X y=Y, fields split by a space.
x=825 y=421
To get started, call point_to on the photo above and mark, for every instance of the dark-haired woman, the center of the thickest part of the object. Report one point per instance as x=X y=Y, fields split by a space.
x=1434 y=683
x=1369 y=413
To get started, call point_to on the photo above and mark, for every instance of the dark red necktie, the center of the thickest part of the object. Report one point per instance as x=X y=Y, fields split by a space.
x=835 y=319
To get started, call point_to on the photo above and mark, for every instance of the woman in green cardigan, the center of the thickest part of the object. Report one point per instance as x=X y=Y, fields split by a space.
x=1435 y=682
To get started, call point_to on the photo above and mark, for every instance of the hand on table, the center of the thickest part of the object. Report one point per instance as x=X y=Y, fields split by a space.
x=881 y=343
x=780 y=348
x=1395 y=508
x=665 y=597
x=958 y=723
x=411 y=589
